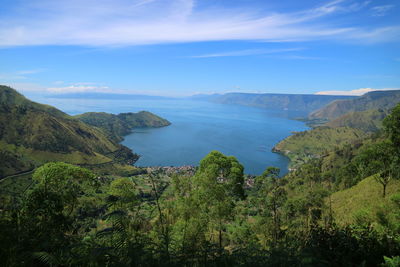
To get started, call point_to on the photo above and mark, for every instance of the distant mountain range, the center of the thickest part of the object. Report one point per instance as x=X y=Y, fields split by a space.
x=292 y=102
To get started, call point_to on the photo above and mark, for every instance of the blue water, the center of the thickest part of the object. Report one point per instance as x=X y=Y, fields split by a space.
x=198 y=128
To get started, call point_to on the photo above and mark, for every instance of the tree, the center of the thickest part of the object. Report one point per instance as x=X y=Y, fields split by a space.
x=67 y=180
x=378 y=160
x=224 y=169
x=271 y=197
x=124 y=191
x=392 y=127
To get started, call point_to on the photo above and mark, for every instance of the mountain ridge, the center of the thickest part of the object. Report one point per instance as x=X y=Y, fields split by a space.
x=372 y=100
x=293 y=102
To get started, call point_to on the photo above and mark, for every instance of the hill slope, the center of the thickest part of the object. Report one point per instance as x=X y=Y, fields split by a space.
x=372 y=100
x=116 y=126
x=303 y=146
x=367 y=121
x=32 y=133
x=362 y=200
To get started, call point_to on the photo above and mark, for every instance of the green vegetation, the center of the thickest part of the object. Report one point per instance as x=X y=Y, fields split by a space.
x=363 y=201
x=117 y=126
x=370 y=101
x=303 y=146
x=367 y=121
x=340 y=207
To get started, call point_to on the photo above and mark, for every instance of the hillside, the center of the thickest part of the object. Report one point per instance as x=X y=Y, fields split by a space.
x=372 y=100
x=367 y=121
x=293 y=102
x=116 y=126
x=302 y=146
x=362 y=201
x=32 y=133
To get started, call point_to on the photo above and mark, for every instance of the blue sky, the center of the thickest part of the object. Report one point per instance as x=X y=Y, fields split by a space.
x=184 y=47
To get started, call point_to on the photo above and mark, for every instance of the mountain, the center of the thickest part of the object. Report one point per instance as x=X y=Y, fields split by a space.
x=367 y=121
x=32 y=133
x=116 y=126
x=372 y=100
x=293 y=102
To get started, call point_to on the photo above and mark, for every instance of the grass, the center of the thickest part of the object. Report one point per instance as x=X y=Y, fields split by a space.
x=363 y=199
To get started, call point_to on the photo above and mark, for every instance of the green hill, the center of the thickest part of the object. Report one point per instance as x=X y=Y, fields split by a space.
x=32 y=133
x=372 y=100
x=116 y=126
x=367 y=121
x=302 y=146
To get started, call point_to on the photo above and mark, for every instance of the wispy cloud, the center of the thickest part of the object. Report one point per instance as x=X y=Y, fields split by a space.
x=248 y=52
x=79 y=88
x=297 y=57
x=27 y=72
x=380 y=11
x=138 y=22
x=356 y=92
x=18 y=75
x=11 y=77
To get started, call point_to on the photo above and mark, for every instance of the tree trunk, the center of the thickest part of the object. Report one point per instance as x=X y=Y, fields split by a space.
x=384 y=190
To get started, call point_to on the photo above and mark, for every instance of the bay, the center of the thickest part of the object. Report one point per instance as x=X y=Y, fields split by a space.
x=197 y=128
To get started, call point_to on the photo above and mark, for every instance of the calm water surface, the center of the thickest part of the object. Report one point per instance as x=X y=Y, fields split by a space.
x=198 y=128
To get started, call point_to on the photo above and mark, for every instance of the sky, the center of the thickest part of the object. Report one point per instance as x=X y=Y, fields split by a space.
x=186 y=47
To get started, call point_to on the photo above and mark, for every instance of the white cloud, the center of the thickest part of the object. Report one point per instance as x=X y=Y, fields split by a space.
x=18 y=75
x=11 y=77
x=138 y=22
x=297 y=57
x=356 y=92
x=78 y=88
x=27 y=72
x=248 y=52
x=380 y=11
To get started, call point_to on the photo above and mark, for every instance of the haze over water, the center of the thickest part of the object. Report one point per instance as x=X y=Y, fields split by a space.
x=197 y=128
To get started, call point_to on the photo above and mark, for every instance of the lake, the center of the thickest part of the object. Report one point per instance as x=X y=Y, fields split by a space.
x=197 y=128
